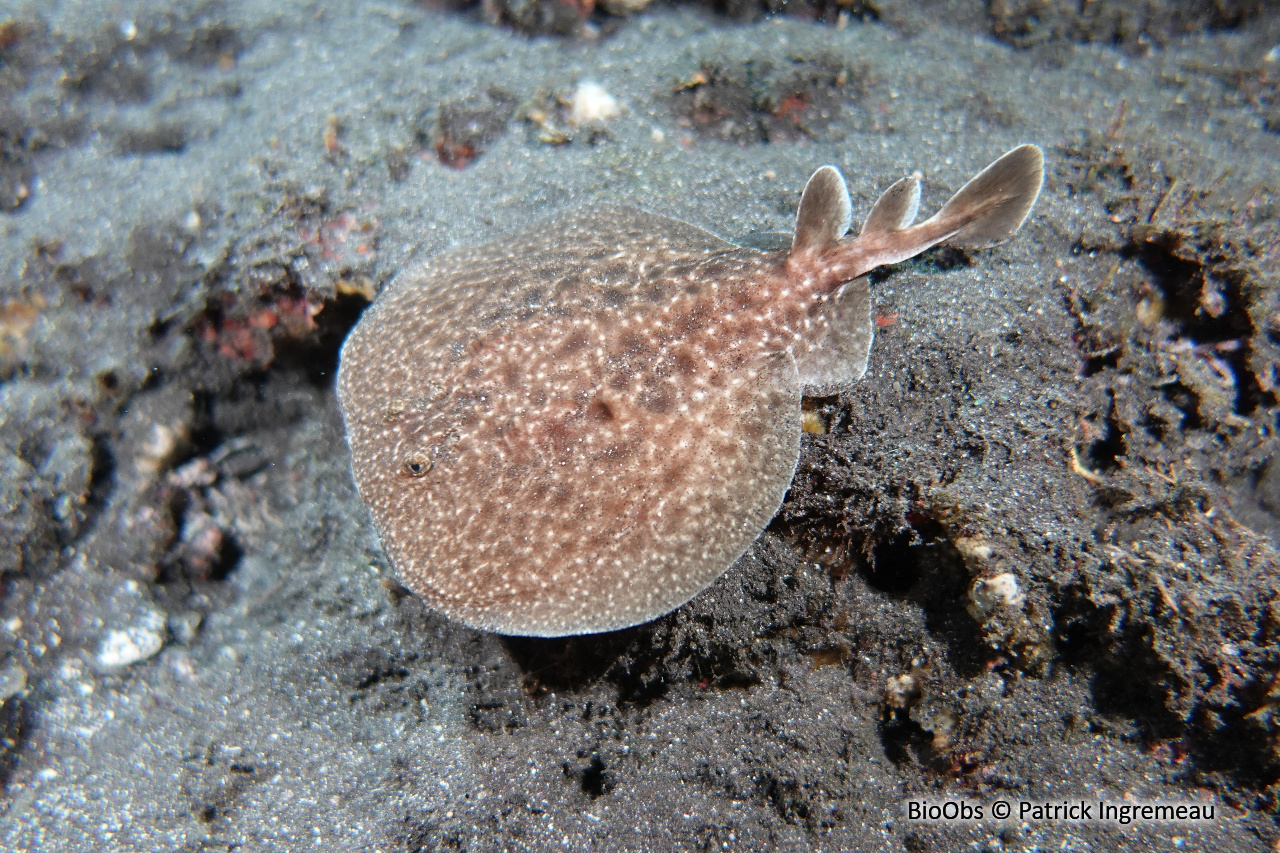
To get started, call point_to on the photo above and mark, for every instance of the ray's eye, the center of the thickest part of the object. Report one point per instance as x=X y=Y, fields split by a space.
x=416 y=466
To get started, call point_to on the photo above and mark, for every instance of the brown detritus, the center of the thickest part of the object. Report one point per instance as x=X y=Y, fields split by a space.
x=166 y=137
x=465 y=128
x=247 y=330
x=540 y=17
x=1178 y=367
x=829 y=655
x=810 y=95
x=112 y=66
x=17 y=172
x=718 y=103
x=1137 y=26
x=209 y=43
x=622 y=8
x=817 y=414
x=547 y=115
x=1010 y=625
x=17 y=316
x=11 y=32
x=902 y=691
x=1152 y=666
x=560 y=117
x=305 y=242
x=758 y=101
x=398 y=164
x=837 y=12
x=1189 y=282
x=574 y=17
x=931 y=554
x=117 y=63
x=332 y=138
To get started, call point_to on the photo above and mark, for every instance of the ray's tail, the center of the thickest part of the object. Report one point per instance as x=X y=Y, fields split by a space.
x=989 y=209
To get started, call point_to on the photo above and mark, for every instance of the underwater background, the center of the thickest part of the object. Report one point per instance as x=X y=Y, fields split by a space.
x=1032 y=556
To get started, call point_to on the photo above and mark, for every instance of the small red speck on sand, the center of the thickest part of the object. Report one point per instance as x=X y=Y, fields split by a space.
x=235 y=340
x=264 y=319
x=455 y=155
x=888 y=319
x=792 y=106
x=248 y=335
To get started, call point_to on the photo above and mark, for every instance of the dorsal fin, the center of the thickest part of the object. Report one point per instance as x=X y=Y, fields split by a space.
x=997 y=199
x=895 y=209
x=825 y=212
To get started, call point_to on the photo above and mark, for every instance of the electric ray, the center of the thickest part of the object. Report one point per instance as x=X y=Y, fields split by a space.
x=578 y=428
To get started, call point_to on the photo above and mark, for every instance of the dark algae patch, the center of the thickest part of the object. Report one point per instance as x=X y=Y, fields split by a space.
x=1031 y=555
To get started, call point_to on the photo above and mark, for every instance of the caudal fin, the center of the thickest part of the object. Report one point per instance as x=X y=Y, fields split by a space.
x=993 y=205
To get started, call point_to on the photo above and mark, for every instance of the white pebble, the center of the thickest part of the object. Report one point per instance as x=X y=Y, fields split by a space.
x=999 y=591
x=127 y=646
x=592 y=105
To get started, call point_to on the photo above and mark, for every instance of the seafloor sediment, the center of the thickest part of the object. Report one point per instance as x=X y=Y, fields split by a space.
x=1031 y=556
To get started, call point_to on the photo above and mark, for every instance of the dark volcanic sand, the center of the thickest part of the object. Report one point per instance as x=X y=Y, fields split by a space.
x=202 y=648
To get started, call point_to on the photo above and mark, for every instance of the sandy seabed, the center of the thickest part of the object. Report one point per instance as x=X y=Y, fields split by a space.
x=1030 y=559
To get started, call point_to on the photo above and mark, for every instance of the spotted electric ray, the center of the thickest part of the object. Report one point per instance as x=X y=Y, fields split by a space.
x=578 y=428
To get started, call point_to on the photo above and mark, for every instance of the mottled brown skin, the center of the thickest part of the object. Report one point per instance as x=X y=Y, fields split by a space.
x=579 y=428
